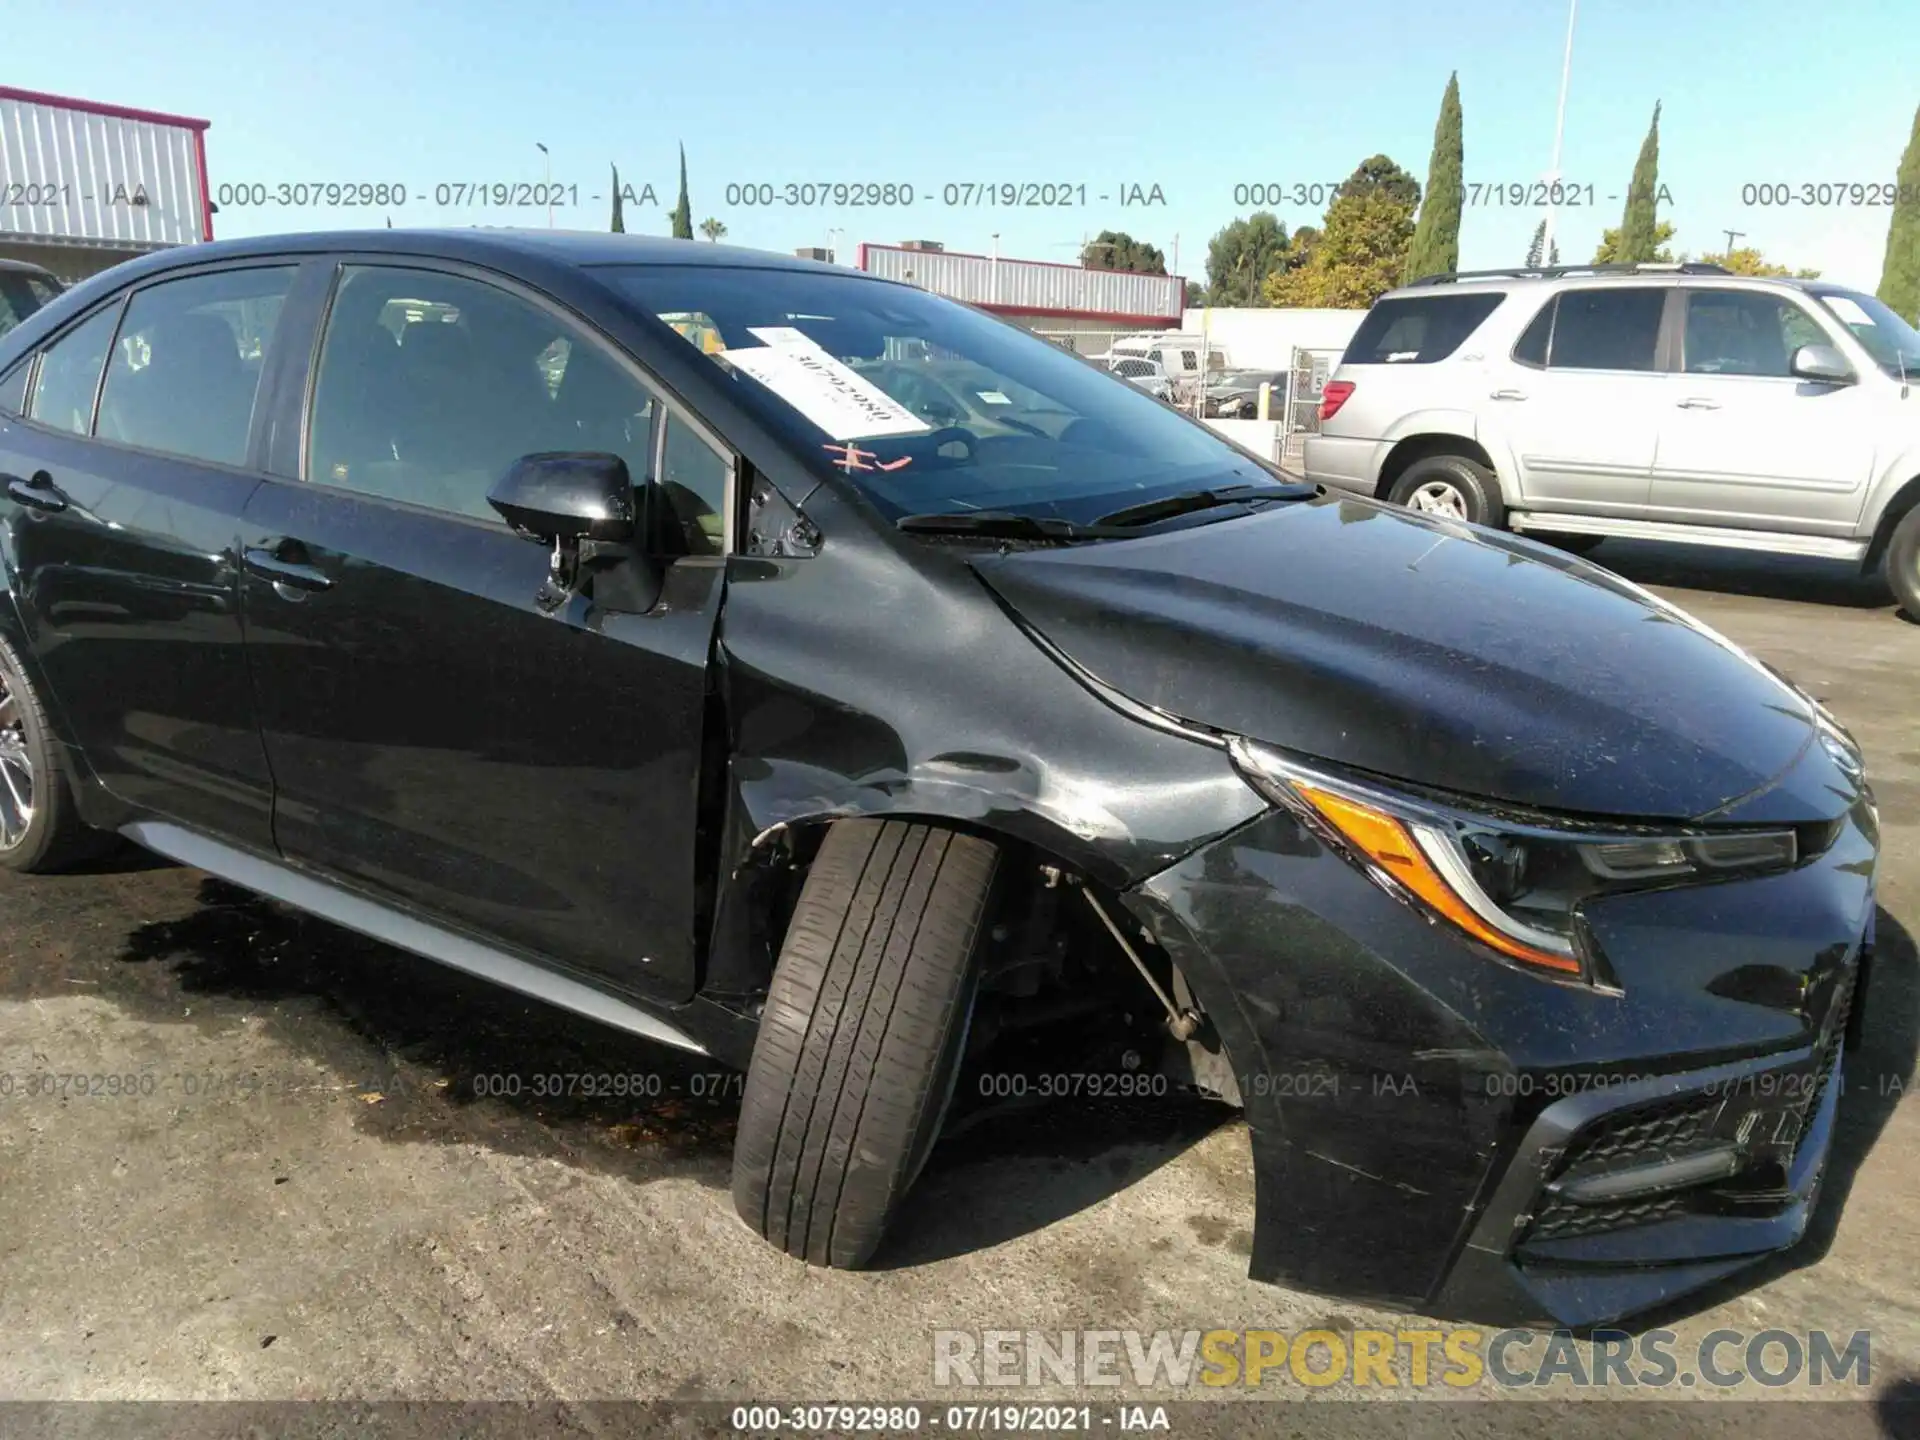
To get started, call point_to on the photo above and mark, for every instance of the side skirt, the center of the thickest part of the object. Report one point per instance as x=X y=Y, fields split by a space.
x=356 y=912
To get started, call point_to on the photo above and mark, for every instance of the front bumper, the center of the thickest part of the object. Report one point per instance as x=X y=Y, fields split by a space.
x=1435 y=1130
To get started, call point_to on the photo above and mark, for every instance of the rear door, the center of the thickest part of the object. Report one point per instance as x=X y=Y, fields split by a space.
x=1743 y=442
x=436 y=736
x=1579 y=411
x=124 y=490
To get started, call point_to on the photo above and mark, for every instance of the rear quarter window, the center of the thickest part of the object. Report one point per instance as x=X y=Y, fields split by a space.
x=1419 y=329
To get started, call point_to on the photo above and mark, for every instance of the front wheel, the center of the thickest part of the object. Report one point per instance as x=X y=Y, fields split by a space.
x=1453 y=486
x=1903 y=563
x=862 y=1036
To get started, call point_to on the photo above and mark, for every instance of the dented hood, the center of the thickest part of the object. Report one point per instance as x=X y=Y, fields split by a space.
x=1429 y=651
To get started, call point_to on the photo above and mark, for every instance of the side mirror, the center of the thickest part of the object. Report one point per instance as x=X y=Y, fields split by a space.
x=568 y=495
x=1821 y=362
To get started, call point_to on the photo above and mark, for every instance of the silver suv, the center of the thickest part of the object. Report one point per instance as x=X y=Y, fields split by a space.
x=1676 y=402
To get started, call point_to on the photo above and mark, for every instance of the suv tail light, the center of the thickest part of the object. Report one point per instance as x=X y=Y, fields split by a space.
x=1333 y=396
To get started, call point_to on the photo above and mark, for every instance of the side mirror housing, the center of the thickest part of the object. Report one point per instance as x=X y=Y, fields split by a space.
x=1821 y=362
x=568 y=495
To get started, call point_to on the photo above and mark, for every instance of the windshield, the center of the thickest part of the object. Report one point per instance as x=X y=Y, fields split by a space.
x=931 y=407
x=1893 y=343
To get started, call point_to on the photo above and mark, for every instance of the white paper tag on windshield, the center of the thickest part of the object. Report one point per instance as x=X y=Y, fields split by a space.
x=1848 y=310
x=993 y=397
x=841 y=402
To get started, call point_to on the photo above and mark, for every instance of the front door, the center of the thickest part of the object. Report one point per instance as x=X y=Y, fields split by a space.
x=124 y=541
x=1743 y=442
x=1579 y=411
x=435 y=735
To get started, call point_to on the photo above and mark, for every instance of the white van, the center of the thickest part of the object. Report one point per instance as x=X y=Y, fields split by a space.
x=1179 y=353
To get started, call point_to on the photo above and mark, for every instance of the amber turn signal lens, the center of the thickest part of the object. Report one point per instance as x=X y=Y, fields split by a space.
x=1385 y=841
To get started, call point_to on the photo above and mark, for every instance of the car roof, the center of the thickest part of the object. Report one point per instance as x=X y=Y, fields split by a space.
x=568 y=247
x=1574 y=275
x=25 y=267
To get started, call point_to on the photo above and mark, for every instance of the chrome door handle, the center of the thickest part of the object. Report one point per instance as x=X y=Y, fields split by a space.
x=39 y=493
x=269 y=562
x=1695 y=402
x=1508 y=395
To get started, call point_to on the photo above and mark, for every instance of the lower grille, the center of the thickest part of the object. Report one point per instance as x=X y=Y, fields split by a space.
x=1630 y=1137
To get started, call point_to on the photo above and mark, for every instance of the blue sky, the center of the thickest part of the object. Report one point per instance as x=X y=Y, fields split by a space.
x=1195 y=99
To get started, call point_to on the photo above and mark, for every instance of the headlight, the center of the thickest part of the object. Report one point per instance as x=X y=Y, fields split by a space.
x=1515 y=887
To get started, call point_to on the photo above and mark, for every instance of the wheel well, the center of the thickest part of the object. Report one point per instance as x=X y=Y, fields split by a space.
x=1049 y=958
x=1420 y=447
x=1904 y=500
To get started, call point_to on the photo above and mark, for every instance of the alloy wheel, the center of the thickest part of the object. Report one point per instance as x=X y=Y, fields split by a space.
x=1439 y=497
x=16 y=770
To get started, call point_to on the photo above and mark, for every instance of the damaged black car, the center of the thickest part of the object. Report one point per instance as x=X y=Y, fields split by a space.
x=807 y=671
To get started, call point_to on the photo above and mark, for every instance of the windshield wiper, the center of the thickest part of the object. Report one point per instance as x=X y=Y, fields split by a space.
x=1169 y=506
x=1007 y=524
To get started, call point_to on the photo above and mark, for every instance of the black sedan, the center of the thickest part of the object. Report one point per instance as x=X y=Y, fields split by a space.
x=437 y=584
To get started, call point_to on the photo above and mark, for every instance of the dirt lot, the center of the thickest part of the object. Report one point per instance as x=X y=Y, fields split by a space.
x=305 y=1197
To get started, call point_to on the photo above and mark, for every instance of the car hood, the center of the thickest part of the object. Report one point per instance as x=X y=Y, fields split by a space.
x=1438 y=653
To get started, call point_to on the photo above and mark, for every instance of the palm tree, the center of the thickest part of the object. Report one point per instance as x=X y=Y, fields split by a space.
x=712 y=229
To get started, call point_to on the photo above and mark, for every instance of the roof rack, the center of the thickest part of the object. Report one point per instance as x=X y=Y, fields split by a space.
x=1554 y=272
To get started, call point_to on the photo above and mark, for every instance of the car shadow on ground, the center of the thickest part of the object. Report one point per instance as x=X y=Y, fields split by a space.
x=433 y=1055
x=1877 y=1073
x=1746 y=572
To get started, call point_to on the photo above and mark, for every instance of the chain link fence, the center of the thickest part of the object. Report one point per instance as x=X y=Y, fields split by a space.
x=1306 y=379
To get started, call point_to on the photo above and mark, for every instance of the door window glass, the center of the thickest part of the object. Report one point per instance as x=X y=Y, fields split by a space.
x=186 y=366
x=70 y=374
x=13 y=390
x=1610 y=329
x=1745 y=332
x=1531 y=347
x=694 y=479
x=431 y=386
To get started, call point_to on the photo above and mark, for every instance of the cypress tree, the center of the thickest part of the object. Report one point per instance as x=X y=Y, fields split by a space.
x=1638 y=237
x=619 y=226
x=683 y=212
x=1900 y=273
x=1436 y=237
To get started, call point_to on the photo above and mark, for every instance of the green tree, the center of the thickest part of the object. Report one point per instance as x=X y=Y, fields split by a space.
x=1745 y=260
x=619 y=226
x=1377 y=172
x=712 y=229
x=1241 y=256
x=1196 y=295
x=1539 y=252
x=1436 y=236
x=1117 y=250
x=1639 y=229
x=1900 y=271
x=1609 y=250
x=1361 y=252
x=682 y=214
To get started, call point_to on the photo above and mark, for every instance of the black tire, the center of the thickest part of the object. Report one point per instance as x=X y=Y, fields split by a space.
x=862 y=1035
x=1478 y=488
x=53 y=836
x=1903 y=563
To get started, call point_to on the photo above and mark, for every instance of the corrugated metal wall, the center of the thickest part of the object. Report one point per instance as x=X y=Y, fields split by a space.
x=1030 y=285
x=72 y=176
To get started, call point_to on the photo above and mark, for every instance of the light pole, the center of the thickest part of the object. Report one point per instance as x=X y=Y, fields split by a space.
x=547 y=179
x=1733 y=235
x=1559 y=129
x=833 y=252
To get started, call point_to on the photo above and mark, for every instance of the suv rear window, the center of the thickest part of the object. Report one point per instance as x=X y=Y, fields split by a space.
x=1419 y=329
